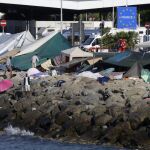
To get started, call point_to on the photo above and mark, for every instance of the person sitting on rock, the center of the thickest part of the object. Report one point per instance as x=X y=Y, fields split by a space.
x=26 y=83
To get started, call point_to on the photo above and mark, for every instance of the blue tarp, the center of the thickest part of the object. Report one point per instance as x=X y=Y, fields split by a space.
x=129 y=58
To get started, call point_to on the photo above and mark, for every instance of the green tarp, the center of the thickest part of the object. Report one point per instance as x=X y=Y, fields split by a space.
x=145 y=75
x=50 y=49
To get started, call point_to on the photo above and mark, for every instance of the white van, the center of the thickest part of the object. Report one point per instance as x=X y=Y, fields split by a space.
x=92 y=43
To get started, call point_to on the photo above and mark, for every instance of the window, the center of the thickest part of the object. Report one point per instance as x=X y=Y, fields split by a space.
x=88 y=41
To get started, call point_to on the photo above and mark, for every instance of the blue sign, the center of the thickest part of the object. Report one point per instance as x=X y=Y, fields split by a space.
x=127 y=17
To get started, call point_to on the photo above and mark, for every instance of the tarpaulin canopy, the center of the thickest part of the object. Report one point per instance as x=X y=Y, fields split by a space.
x=36 y=44
x=128 y=58
x=14 y=41
x=73 y=62
x=47 y=64
x=145 y=75
x=4 y=57
x=134 y=71
x=76 y=52
x=5 y=85
x=50 y=49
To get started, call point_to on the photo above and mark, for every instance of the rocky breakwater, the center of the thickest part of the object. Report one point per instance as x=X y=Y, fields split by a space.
x=81 y=110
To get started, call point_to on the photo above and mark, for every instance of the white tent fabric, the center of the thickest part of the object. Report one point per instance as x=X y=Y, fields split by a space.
x=144 y=44
x=32 y=71
x=36 y=44
x=27 y=39
x=90 y=74
x=35 y=73
x=14 y=41
x=76 y=52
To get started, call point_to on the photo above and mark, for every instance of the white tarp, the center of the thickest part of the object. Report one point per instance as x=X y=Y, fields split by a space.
x=90 y=74
x=32 y=71
x=76 y=52
x=35 y=73
x=14 y=41
x=36 y=44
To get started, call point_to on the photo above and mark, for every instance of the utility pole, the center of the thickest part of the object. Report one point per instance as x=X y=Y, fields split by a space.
x=80 y=29
x=113 y=18
x=61 y=16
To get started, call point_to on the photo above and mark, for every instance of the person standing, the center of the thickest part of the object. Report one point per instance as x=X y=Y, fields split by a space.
x=26 y=84
x=35 y=59
x=9 y=66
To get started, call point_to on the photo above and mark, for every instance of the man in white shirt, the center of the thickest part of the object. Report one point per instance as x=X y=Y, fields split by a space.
x=35 y=59
x=27 y=83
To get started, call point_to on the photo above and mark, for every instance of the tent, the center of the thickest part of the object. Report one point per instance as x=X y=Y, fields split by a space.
x=128 y=58
x=35 y=73
x=15 y=41
x=75 y=52
x=134 y=71
x=145 y=75
x=72 y=63
x=49 y=49
x=12 y=53
x=5 y=85
x=36 y=44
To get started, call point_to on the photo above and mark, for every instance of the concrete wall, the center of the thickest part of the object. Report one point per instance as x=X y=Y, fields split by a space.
x=77 y=5
x=66 y=24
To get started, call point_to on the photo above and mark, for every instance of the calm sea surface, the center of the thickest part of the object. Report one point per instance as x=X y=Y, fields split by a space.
x=16 y=142
x=16 y=139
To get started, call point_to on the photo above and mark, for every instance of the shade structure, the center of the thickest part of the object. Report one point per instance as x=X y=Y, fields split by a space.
x=129 y=58
x=48 y=50
x=76 y=52
x=15 y=41
x=32 y=71
x=5 y=85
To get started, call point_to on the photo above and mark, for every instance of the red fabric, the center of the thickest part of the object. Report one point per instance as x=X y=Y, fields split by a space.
x=5 y=85
x=122 y=45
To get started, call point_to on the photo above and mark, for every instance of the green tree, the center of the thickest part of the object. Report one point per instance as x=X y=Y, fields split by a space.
x=110 y=41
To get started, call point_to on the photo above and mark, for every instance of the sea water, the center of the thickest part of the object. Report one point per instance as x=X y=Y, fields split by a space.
x=16 y=139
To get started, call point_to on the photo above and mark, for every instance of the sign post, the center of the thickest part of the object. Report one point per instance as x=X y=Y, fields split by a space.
x=127 y=17
x=3 y=24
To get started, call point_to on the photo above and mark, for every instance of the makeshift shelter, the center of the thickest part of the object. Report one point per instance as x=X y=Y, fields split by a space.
x=89 y=64
x=107 y=72
x=35 y=73
x=50 y=49
x=105 y=55
x=75 y=52
x=32 y=71
x=73 y=63
x=4 y=57
x=36 y=44
x=47 y=64
x=5 y=85
x=134 y=71
x=145 y=75
x=128 y=58
x=15 y=41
